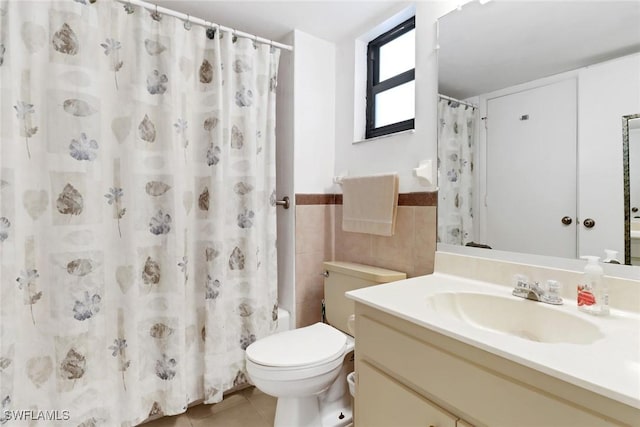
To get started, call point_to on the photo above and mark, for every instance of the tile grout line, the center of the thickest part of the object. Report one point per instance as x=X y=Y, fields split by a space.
x=256 y=409
x=262 y=416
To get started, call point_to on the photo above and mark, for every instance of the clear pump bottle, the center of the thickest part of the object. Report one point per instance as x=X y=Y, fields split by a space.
x=593 y=293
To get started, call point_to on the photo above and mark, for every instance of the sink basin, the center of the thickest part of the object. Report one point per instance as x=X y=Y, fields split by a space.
x=525 y=319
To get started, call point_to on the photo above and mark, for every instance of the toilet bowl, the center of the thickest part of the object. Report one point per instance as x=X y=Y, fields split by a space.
x=304 y=368
x=300 y=368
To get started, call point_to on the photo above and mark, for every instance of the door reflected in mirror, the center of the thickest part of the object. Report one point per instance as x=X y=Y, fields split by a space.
x=540 y=171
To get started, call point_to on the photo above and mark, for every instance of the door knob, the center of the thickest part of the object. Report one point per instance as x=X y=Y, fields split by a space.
x=567 y=220
x=589 y=223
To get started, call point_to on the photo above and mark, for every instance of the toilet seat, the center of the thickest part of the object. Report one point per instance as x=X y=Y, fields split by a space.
x=308 y=347
x=283 y=374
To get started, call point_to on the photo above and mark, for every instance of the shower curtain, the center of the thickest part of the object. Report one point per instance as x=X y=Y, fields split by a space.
x=456 y=145
x=137 y=211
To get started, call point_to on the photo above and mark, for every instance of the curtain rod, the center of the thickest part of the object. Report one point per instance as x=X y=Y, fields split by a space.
x=457 y=100
x=202 y=22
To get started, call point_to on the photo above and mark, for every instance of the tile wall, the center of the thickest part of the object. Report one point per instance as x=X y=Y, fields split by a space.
x=314 y=245
x=319 y=238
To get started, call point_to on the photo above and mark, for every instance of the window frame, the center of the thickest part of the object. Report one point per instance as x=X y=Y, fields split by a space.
x=374 y=86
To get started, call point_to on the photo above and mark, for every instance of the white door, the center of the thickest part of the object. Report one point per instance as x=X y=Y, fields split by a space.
x=531 y=170
x=607 y=92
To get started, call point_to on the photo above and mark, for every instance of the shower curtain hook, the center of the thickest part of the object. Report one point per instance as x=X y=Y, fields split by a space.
x=129 y=8
x=155 y=15
x=187 y=23
x=211 y=32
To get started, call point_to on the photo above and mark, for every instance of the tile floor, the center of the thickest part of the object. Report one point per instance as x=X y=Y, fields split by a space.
x=245 y=408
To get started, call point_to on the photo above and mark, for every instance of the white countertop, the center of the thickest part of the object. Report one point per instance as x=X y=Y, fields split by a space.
x=609 y=366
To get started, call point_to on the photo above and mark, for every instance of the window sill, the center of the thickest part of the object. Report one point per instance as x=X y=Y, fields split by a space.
x=376 y=138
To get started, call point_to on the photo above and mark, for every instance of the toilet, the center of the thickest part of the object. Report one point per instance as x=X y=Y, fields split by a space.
x=305 y=368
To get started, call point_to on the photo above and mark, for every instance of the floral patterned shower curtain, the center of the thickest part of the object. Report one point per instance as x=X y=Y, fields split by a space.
x=456 y=145
x=137 y=218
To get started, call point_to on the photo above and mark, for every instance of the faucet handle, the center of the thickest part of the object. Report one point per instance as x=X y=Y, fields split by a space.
x=552 y=296
x=520 y=281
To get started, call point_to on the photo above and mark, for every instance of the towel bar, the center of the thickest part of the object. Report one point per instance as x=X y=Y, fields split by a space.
x=285 y=202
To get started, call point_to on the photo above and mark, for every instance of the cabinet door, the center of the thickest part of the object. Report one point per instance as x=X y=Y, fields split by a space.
x=381 y=401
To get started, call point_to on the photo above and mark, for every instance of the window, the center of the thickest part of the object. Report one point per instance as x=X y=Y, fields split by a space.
x=390 y=81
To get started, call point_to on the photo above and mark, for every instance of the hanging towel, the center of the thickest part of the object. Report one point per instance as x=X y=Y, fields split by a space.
x=370 y=204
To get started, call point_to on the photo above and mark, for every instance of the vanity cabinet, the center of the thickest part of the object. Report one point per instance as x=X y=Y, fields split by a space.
x=403 y=406
x=408 y=373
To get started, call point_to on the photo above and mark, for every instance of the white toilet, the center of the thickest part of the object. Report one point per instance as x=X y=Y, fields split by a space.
x=304 y=367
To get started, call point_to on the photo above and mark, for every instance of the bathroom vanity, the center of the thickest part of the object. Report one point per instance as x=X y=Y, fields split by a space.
x=445 y=350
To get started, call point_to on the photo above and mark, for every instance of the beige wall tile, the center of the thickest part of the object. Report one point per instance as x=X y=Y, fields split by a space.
x=308 y=312
x=309 y=287
x=308 y=274
x=314 y=245
x=314 y=229
x=319 y=238
x=353 y=247
x=314 y=240
x=424 y=240
x=396 y=252
x=309 y=216
x=411 y=249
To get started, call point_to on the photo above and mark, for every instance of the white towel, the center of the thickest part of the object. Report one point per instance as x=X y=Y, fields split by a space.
x=370 y=204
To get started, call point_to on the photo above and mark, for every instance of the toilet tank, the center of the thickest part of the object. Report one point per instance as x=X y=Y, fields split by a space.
x=341 y=277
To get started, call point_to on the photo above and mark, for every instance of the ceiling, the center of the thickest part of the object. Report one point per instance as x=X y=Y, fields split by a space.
x=328 y=20
x=499 y=44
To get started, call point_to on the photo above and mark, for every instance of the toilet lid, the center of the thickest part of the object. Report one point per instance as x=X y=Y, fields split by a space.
x=307 y=346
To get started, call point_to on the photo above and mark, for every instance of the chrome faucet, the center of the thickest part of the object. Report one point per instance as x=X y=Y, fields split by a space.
x=534 y=292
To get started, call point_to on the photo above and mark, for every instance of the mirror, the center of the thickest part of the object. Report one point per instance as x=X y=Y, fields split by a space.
x=491 y=57
x=631 y=153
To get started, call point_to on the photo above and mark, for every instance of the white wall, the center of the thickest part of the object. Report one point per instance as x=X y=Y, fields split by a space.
x=606 y=92
x=284 y=179
x=314 y=113
x=401 y=152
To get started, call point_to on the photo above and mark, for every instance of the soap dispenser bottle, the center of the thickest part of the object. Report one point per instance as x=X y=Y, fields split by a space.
x=593 y=295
